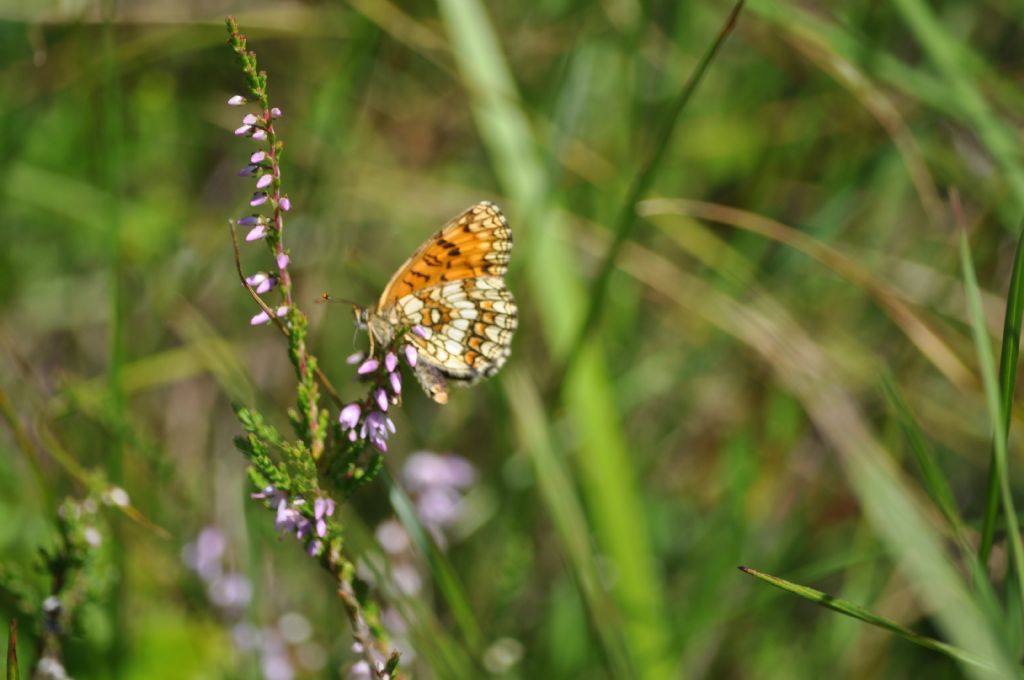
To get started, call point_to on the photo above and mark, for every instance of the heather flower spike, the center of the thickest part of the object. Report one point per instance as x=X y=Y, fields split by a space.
x=292 y=490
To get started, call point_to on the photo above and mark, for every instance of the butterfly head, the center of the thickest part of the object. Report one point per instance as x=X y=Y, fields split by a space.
x=362 y=316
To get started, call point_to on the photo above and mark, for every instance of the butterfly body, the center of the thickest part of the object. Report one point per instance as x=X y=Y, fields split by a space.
x=453 y=289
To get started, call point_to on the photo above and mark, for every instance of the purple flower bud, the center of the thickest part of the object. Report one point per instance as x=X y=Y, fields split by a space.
x=349 y=416
x=319 y=507
x=321 y=528
x=259 y=198
x=264 y=181
x=237 y=100
x=250 y=119
x=256 y=233
x=259 y=135
x=420 y=331
x=285 y=204
x=258 y=157
x=411 y=354
x=390 y=362
x=396 y=382
x=282 y=261
x=353 y=359
x=329 y=510
x=248 y=171
x=244 y=130
x=368 y=366
x=352 y=435
x=250 y=220
x=275 y=112
x=261 y=281
x=315 y=547
x=381 y=397
x=262 y=317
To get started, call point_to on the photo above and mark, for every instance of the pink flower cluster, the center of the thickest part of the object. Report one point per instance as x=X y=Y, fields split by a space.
x=263 y=165
x=292 y=520
x=368 y=419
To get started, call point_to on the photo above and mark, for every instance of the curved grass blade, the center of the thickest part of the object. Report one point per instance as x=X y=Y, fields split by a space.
x=1007 y=379
x=854 y=611
x=996 y=411
x=642 y=181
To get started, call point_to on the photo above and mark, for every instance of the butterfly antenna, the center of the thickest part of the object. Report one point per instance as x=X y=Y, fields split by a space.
x=325 y=298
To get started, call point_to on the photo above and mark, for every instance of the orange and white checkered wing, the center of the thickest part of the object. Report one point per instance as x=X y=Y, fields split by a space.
x=453 y=287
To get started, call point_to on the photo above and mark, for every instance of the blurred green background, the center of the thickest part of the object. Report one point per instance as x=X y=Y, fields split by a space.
x=797 y=245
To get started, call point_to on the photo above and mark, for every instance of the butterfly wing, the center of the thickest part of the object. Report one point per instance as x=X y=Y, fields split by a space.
x=475 y=243
x=453 y=288
x=467 y=326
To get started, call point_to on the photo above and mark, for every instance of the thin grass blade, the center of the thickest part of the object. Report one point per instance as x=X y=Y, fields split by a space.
x=995 y=407
x=1007 y=379
x=642 y=181
x=857 y=612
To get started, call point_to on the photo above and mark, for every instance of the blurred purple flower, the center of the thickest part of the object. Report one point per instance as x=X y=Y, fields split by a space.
x=381 y=397
x=261 y=282
x=390 y=362
x=420 y=331
x=258 y=157
x=376 y=427
x=243 y=130
x=282 y=261
x=236 y=100
x=368 y=366
x=232 y=591
x=256 y=233
x=259 y=134
x=248 y=171
x=275 y=112
x=285 y=204
x=396 y=382
x=411 y=355
x=353 y=359
x=349 y=416
x=258 y=198
x=250 y=220
x=425 y=469
x=264 y=181
x=439 y=506
x=250 y=119
x=262 y=317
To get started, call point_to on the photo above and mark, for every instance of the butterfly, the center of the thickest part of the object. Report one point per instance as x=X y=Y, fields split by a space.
x=452 y=289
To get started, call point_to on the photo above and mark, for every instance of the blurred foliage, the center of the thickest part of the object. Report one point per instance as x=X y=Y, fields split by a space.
x=796 y=248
